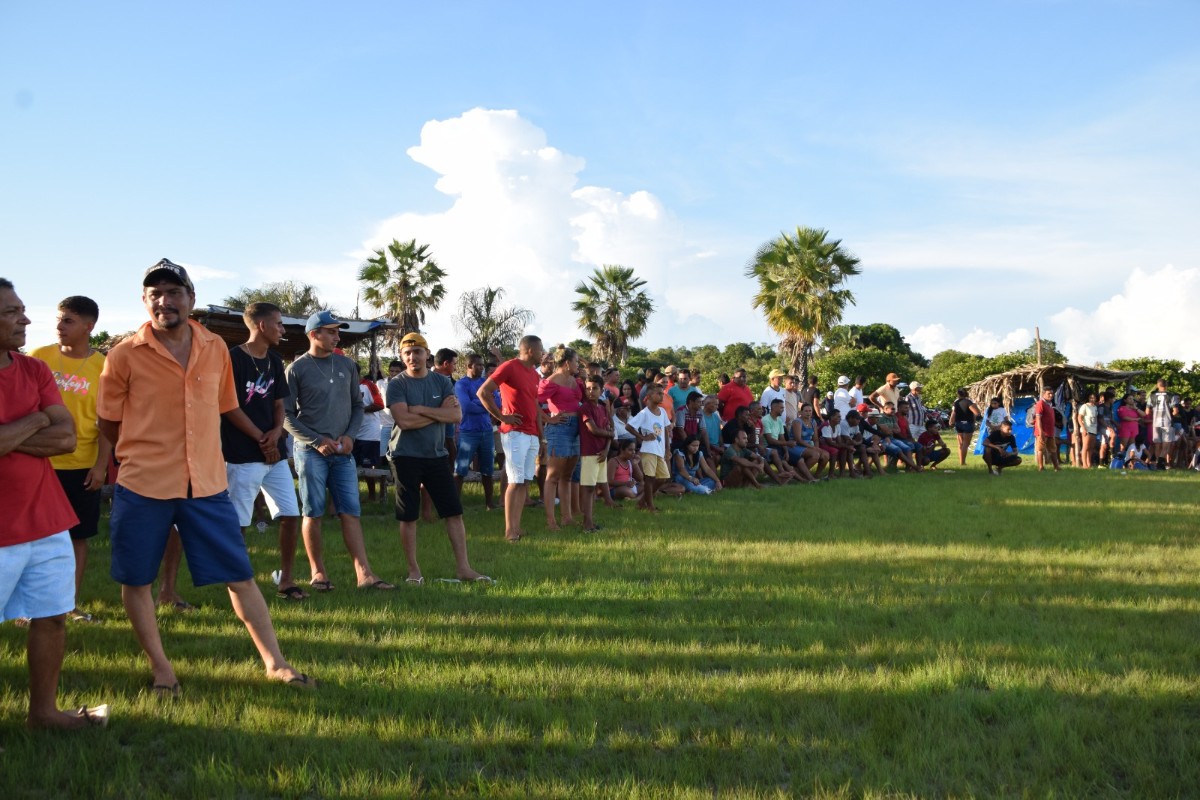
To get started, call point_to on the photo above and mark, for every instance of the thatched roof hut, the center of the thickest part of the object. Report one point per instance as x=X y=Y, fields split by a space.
x=227 y=323
x=1031 y=379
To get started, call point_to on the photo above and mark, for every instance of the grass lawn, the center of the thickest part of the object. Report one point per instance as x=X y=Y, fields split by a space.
x=936 y=635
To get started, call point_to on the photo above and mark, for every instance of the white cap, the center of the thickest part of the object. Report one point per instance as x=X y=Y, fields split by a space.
x=914 y=385
x=843 y=381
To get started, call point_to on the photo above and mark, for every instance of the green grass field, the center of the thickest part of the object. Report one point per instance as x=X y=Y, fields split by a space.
x=934 y=635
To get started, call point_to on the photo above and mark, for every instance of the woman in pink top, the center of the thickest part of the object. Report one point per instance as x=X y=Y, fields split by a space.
x=562 y=393
x=1128 y=419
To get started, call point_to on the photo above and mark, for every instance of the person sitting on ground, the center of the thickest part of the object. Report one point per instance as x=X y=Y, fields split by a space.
x=805 y=433
x=1000 y=448
x=783 y=449
x=893 y=445
x=739 y=420
x=872 y=439
x=688 y=421
x=850 y=436
x=621 y=419
x=741 y=466
x=933 y=450
x=625 y=479
x=692 y=470
x=904 y=431
x=776 y=466
x=831 y=443
x=710 y=428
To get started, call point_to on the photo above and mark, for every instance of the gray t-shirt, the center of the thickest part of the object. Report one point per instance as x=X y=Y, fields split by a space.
x=430 y=391
x=324 y=400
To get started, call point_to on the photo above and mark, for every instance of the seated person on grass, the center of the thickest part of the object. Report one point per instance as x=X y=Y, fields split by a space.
x=625 y=472
x=779 y=441
x=739 y=420
x=805 y=432
x=1000 y=448
x=904 y=431
x=740 y=466
x=710 y=416
x=871 y=437
x=777 y=467
x=831 y=443
x=692 y=470
x=621 y=410
x=931 y=449
x=688 y=419
x=894 y=446
x=850 y=434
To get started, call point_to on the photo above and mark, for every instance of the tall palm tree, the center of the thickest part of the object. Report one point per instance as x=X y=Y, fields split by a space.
x=613 y=310
x=485 y=324
x=403 y=282
x=800 y=289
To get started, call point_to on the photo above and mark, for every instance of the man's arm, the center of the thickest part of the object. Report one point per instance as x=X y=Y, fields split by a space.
x=408 y=420
x=299 y=430
x=54 y=439
x=98 y=474
x=448 y=412
x=489 y=404
x=14 y=434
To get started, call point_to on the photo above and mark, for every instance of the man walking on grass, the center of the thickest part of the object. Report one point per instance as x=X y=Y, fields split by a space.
x=163 y=392
x=254 y=465
x=323 y=413
x=520 y=430
x=423 y=405
x=37 y=565
x=83 y=472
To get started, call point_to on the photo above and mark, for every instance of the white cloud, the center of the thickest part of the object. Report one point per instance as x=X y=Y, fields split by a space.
x=199 y=272
x=520 y=219
x=1152 y=315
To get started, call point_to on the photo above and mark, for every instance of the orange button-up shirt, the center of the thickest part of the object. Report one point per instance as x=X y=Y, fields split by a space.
x=170 y=419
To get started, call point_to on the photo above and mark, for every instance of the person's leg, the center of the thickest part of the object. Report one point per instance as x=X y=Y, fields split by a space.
x=310 y=529
x=80 y=548
x=312 y=470
x=168 y=593
x=343 y=484
x=279 y=490
x=550 y=487
x=408 y=540
x=45 y=648
x=651 y=489
x=251 y=609
x=139 y=607
x=456 y=532
x=964 y=441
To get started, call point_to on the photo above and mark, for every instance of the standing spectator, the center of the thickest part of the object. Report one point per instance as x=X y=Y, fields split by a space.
x=689 y=420
x=254 y=465
x=629 y=393
x=843 y=400
x=889 y=392
x=37 y=568
x=82 y=473
x=916 y=406
x=612 y=386
x=1000 y=448
x=385 y=416
x=710 y=427
x=682 y=388
x=856 y=391
x=996 y=414
x=791 y=398
x=1128 y=419
x=774 y=391
x=1045 y=431
x=1088 y=426
x=366 y=443
x=562 y=393
x=963 y=414
x=652 y=425
x=323 y=413
x=620 y=418
x=810 y=396
x=423 y=404
x=172 y=471
x=1162 y=425
x=475 y=440
x=595 y=436
x=734 y=395
x=520 y=429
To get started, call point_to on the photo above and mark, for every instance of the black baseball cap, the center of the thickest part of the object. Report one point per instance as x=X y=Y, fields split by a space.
x=166 y=270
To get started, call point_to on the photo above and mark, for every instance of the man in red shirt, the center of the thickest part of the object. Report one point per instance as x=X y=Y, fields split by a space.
x=520 y=433
x=1045 y=431
x=37 y=561
x=734 y=395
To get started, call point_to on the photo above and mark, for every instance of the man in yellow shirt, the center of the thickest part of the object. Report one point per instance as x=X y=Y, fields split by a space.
x=76 y=368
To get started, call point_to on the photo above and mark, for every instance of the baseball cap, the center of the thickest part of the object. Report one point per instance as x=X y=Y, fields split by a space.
x=166 y=270
x=843 y=381
x=671 y=370
x=413 y=339
x=323 y=319
x=777 y=373
x=915 y=385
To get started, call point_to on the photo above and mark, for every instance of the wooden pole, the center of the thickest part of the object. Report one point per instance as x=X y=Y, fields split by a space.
x=1037 y=333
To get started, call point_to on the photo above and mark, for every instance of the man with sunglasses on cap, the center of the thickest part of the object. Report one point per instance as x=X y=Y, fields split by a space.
x=323 y=413
x=163 y=392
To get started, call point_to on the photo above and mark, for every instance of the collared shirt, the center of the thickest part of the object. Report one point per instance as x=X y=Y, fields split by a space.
x=916 y=411
x=170 y=418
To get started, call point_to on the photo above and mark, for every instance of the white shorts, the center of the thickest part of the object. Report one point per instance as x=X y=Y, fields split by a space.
x=37 y=579
x=275 y=481
x=1164 y=435
x=520 y=456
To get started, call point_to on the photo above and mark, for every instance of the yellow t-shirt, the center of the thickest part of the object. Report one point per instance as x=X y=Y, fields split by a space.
x=79 y=382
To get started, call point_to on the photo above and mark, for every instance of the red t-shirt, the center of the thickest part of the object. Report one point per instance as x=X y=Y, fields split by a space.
x=590 y=444
x=1045 y=413
x=734 y=396
x=518 y=395
x=35 y=505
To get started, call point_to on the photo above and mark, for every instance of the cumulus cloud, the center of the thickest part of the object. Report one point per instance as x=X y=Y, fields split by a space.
x=1152 y=315
x=199 y=272
x=520 y=218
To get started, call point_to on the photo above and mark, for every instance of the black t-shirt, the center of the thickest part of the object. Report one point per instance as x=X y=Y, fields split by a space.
x=258 y=383
x=1002 y=440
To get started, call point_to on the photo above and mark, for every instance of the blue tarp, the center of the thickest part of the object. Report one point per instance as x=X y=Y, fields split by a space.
x=1024 y=433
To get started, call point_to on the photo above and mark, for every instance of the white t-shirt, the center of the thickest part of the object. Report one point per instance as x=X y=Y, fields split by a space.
x=370 y=419
x=995 y=416
x=385 y=416
x=842 y=400
x=846 y=429
x=658 y=424
x=769 y=394
x=857 y=394
x=827 y=431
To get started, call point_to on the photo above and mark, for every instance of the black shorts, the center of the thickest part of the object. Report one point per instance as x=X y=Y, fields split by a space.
x=366 y=453
x=85 y=503
x=964 y=426
x=410 y=474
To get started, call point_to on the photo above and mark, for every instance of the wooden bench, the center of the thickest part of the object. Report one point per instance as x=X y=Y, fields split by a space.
x=384 y=477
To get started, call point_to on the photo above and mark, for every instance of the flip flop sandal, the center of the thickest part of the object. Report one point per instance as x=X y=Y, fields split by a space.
x=321 y=586
x=166 y=691
x=302 y=681
x=380 y=584
x=96 y=716
x=415 y=581
x=294 y=593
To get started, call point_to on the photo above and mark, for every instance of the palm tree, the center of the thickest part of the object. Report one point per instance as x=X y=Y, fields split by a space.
x=613 y=310
x=294 y=298
x=403 y=282
x=800 y=292
x=487 y=326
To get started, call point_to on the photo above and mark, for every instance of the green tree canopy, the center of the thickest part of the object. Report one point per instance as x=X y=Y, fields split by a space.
x=879 y=335
x=485 y=324
x=403 y=282
x=294 y=298
x=1181 y=379
x=871 y=362
x=613 y=310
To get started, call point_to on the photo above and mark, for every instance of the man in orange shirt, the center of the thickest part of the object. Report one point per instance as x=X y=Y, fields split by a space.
x=163 y=392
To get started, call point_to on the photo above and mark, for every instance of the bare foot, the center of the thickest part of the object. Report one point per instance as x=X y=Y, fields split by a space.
x=82 y=717
x=292 y=677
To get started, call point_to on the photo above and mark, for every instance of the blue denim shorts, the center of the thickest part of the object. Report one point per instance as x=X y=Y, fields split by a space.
x=562 y=440
x=470 y=444
x=208 y=527
x=337 y=473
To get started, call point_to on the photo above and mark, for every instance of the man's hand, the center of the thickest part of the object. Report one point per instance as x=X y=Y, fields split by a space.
x=345 y=445
x=95 y=478
x=511 y=419
x=327 y=447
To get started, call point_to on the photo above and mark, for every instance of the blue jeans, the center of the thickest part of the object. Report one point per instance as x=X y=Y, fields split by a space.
x=338 y=473
x=470 y=444
x=706 y=485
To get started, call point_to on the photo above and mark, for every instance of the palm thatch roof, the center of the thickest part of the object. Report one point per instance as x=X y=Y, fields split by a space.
x=1031 y=379
x=227 y=323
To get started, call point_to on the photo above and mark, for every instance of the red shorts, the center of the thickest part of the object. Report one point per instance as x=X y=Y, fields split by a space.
x=833 y=451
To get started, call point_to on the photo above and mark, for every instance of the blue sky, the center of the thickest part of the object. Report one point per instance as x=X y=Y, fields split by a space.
x=996 y=166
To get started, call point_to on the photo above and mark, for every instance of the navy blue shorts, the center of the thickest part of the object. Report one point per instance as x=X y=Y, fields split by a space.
x=208 y=526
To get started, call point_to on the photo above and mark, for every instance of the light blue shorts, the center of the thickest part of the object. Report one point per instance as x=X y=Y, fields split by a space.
x=37 y=579
x=337 y=473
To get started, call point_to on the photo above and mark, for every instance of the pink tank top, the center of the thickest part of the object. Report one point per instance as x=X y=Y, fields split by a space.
x=561 y=399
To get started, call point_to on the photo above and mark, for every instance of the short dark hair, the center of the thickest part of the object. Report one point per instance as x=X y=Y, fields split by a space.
x=776 y=400
x=5 y=283
x=395 y=362
x=693 y=394
x=444 y=355
x=473 y=357
x=529 y=341
x=596 y=379
x=257 y=312
x=83 y=306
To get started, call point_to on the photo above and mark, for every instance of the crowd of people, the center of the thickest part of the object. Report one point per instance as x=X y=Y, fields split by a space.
x=200 y=432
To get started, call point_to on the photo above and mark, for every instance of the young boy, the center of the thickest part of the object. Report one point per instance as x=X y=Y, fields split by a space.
x=595 y=435
x=652 y=426
x=931 y=449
